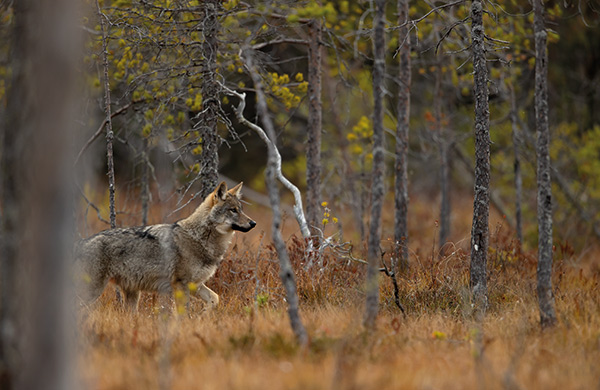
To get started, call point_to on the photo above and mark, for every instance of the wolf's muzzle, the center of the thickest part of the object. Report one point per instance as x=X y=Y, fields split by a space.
x=244 y=229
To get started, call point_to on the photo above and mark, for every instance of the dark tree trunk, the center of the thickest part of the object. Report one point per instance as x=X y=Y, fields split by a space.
x=544 y=196
x=442 y=143
x=313 y=148
x=35 y=198
x=401 y=171
x=481 y=205
x=516 y=139
x=109 y=130
x=348 y=174
x=286 y=272
x=209 y=157
x=377 y=187
x=145 y=190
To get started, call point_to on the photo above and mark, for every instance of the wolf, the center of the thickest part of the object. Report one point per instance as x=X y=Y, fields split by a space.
x=166 y=257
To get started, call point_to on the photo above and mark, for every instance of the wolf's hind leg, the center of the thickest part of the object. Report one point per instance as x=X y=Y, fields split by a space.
x=208 y=295
x=131 y=299
x=89 y=290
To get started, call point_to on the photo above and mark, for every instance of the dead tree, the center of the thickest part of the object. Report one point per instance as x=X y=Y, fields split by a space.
x=518 y=179
x=109 y=129
x=481 y=204
x=401 y=168
x=377 y=184
x=286 y=272
x=209 y=116
x=315 y=107
x=35 y=197
x=544 y=194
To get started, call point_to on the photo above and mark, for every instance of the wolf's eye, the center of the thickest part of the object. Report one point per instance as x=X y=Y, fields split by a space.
x=233 y=210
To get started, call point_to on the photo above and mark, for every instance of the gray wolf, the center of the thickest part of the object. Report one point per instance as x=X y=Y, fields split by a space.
x=163 y=258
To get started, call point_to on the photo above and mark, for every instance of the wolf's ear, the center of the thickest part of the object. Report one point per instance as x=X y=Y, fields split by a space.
x=237 y=190
x=221 y=191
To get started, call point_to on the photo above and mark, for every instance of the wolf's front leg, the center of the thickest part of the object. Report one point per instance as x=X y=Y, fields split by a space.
x=209 y=296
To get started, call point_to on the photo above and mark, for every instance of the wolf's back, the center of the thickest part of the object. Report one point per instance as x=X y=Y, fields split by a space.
x=140 y=258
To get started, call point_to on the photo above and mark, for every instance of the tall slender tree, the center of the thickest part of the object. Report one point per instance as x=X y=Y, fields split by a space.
x=377 y=186
x=313 y=148
x=286 y=273
x=110 y=136
x=481 y=204
x=209 y=157
x=402 y=127
x=518 y=179
x=544 y=193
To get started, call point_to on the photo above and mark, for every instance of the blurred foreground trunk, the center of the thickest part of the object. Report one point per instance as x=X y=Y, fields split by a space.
x=35 y=247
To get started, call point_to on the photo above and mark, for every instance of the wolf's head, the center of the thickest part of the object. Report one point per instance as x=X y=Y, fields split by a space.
x=226 y=210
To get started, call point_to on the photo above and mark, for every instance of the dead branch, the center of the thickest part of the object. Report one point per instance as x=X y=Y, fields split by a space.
x=100 y=130
x=298 y=209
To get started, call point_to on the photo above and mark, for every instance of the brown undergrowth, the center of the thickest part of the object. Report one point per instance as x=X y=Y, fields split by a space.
x=246 y=343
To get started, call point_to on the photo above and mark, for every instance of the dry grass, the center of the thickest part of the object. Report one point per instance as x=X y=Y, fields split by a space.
x=246 y=343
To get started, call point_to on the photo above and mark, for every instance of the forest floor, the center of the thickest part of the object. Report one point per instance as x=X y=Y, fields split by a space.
x=247 y=343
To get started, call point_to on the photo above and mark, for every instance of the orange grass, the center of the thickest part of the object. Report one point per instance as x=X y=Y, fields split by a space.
x=246 y=343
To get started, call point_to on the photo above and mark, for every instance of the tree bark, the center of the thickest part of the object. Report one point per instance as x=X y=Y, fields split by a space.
x=481 y=204
x=516 y=139
x=442 y=144
x=315 y=127
x=348 y=174
x=109 y=129
x=36 y=213
x=209 y=157
x=544 y=195
x=377 y=192
x=401 y=168
x=145 y=183
x=286 y=272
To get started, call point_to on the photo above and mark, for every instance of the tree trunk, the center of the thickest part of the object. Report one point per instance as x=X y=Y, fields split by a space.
x=209 y=157
x=36 y=213
x=286 y=272
x=401 y=178
x=442 y=143
x=516 y=139
x=544 y=196
x=313 y=147
x=348 y=174
x=109 y=130
x=145 y=190
x=377 y=192
x=481 y=204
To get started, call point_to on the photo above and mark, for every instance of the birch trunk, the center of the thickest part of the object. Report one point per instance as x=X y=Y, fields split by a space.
x=481 y=205
x=209 y=157
x=544 y=195
x=377 y=191
x=401 y=168
x=313 y=147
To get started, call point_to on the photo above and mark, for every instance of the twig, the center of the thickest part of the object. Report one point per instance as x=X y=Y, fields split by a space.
x=100 y=130
x=392 y=276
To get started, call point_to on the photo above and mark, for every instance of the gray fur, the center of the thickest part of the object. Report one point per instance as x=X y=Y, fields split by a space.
x=161 y=258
